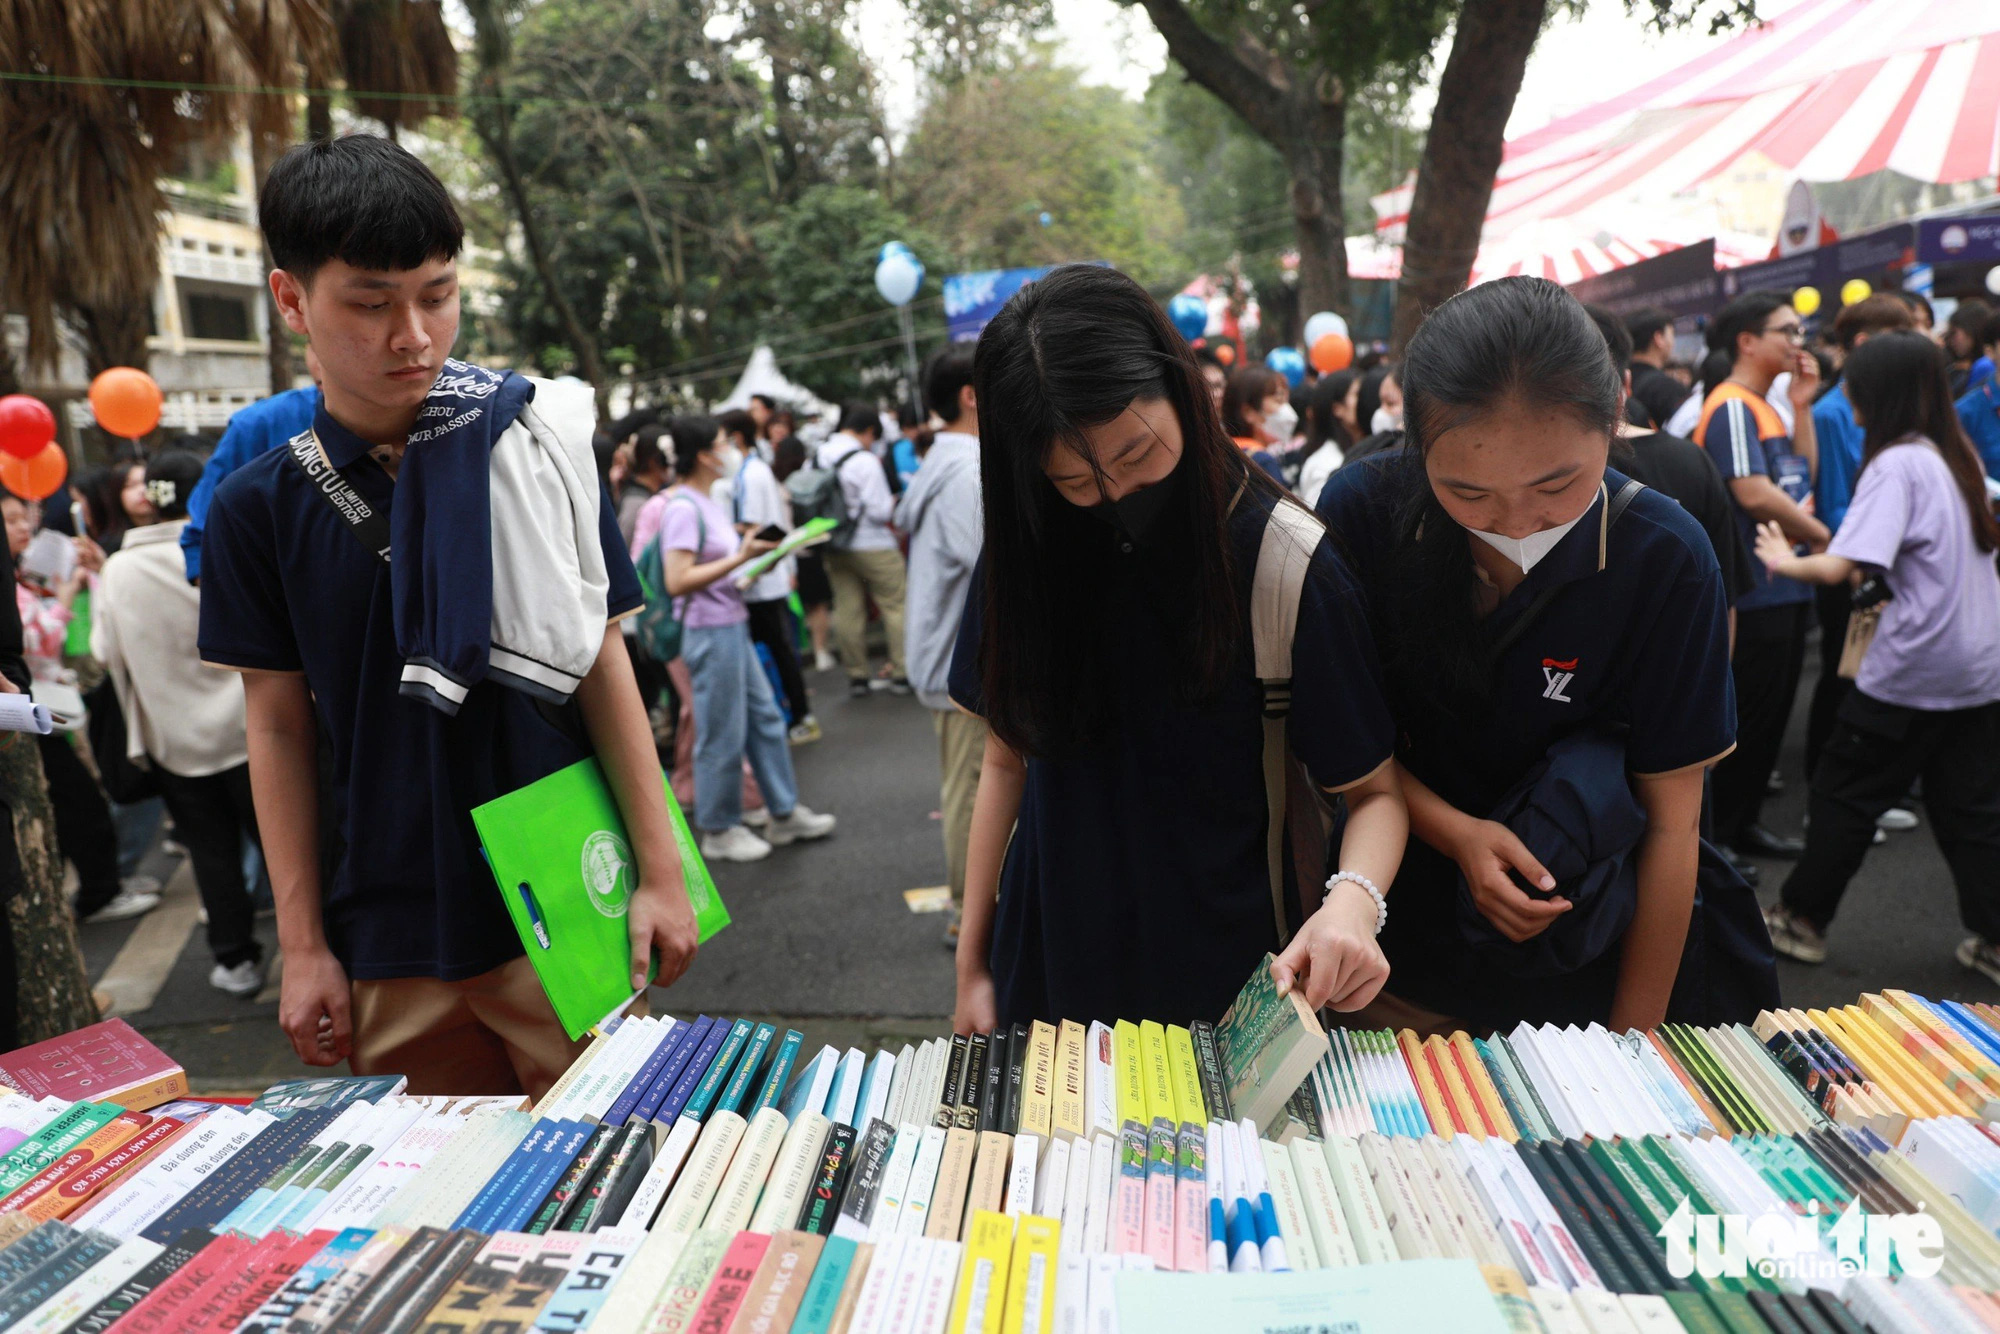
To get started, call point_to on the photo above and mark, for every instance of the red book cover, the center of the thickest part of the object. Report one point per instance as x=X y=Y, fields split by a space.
x=730 y=1285
x=1450 y=1107
x=227 y=1303
x=106 y=1140
x=158 y=1311
x=1465 y=1077
x=80 y=1186
x=106 y=1062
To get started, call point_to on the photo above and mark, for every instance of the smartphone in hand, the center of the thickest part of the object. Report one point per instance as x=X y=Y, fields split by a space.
x=770 y=532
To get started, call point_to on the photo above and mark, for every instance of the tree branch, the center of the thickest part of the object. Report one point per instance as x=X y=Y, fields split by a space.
x=1244 y=90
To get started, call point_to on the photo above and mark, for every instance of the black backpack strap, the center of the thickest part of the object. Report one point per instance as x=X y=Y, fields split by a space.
x=369 y=525
x=1613 y=510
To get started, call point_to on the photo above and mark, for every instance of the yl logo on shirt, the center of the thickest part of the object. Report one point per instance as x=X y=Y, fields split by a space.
x=1558 y=676
x=606 y=872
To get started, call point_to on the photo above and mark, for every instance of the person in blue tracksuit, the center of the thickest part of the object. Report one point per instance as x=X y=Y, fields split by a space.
x=257 y=429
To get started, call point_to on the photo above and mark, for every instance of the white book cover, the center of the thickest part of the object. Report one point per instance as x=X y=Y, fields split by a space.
x=916 y=1212
x=888 y=1213
x=1076 y=1197
x=1517 y=1234
x=1652 y=1315
x=808 y=1089
x=784 y=1196
x=1558 y=1312
x=623 y=1066
x=392 y=1123
x=1072 y=1292
x=661 y=1033
x=1407 y=1220
x=1321 y=1202
x=576 y=1098
x=873 y=1099
x=1570 y=1049
x=1527 y=1050
x=940 y=1278
x=660 y=1177
x=1020 y=1196
x=687 y=1203
x=1558 y=1243
x=906 y=1296
x=871 y=1307
x=441 y=1192
x=128 y=1208
x=899 y=1086
x=1632 y=1092
x=630 y=1302
x=749 y=1168
x=1101 y=1306
x=1103 y=1181
x=1283 y=1184
x=1052 y=1179
x=1602 y=1311
x=1551 y=1045
x=392 y=1168
x=79 y=1296
x=847 y=1089
x=1374 y=1239
x=1100 y=1091
x=1480 y=1227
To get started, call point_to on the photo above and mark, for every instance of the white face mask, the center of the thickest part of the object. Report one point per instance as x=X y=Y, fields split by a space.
x=1385 y=420
x=1280 y=422
x=1527 y=551
x=730 y=458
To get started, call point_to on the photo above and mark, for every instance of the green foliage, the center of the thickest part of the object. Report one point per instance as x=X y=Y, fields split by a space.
x=959 y=37
x=1356 y=41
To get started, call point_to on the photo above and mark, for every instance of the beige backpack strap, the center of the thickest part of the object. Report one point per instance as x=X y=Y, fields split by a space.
x=1291 y=535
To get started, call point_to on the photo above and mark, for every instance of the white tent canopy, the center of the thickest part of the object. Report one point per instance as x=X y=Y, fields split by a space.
x=762 y=376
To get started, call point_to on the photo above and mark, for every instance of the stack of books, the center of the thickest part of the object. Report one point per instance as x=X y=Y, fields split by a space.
x=1818 y=1171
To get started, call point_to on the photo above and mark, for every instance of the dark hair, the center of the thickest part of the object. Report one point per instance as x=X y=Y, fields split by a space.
x=628 y=425
x=1900 y=386
x=1642 y=326
x=1745 y=315
x=691 y=435
x=1069 y=352
x=949 y=372
x=1916 y=301
x=647 y=451
x=1370 y=398
x=1880 y=313
x=1246 y=385
x=1616 y=337
x=1206 y=356
x=103 y=508
x=857 y=417
x=1513 y=340
x=766 y=400
x=1989 y=333
x=740 y=424
x=180 y=467
x=788 y=457
x=1716 y=367
x=1321 y=423
x=360 y=199
x=604 y=450
x=1970 y=318
x=908 y=417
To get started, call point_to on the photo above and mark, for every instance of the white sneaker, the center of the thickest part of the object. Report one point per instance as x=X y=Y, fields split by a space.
x=734 y=844
x=126 y=904
x=1897 y=820
x=139 y=884
x=824 y=661
x=246 y=979
x=800 y=825
x=757 y=816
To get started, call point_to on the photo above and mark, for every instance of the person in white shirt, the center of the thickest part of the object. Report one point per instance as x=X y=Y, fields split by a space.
x=183 y=720
x=867 y=564
x=757 y=502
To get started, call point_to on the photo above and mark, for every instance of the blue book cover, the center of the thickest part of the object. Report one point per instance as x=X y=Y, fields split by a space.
x=232 y=1183
x=628 y=1098
x=794 y=1103
x=700 y=1075
x=687 y=1042
x=738 y=1087
x=505 y=1176
x=558 y=1152
x=822 y=1300
x=779 y=1071
x=843 y=1102
x=575 y=1302
x=880 y=1073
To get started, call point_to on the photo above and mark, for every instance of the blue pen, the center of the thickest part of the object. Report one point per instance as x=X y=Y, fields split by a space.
x=535 y=915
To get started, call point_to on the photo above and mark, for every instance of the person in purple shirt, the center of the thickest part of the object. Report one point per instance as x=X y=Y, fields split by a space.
x=257 y=429
x=1926 y=702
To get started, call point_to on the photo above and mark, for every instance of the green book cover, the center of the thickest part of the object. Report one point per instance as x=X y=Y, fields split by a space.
x=739 y=1079
x=1695 y=1314
x=829 y=1277
x=1701 y=1063
x=780 y=1070
x=1736 y=1313
x=699 y=1101
x=566 y=873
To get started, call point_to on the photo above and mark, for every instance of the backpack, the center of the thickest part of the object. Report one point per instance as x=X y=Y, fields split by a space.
x=659 y=623
x=816 y=494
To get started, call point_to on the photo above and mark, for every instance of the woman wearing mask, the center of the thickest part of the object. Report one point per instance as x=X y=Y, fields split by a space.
x=735 y=715
x=1329 y=431
x=1117 y=858
x=1257 y=414
x=1378 y=413
x=1927 y=700
x=1536 y=609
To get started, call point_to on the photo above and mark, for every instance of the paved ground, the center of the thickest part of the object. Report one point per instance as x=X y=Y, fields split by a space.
x=823 y=938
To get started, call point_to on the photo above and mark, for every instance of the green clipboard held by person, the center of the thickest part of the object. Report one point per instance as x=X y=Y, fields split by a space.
x=565 y=870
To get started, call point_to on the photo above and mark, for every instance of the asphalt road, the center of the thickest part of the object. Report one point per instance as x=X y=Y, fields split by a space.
x=822 y=935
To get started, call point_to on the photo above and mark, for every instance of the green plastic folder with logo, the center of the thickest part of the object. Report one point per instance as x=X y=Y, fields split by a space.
x=566 y=873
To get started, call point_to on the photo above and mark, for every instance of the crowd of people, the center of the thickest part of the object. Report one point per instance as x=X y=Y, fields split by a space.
x=1218 y=663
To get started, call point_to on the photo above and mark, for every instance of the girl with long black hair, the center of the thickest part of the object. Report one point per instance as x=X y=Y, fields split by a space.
x=1926 y=701
x=1555 y=642
x=1118 y=856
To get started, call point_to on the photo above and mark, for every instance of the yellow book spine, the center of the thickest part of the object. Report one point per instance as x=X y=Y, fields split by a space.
x=982 y=1273
x=1914 y=1074
x=1038 y=1080
x=1067 y=1119
x=1031 y=1276
x=1950 y=1056
x=1872 y=1052
x=1482 y=1087
x=1128 y=1069
x=1186 y=1074
x=1454 y=1090
x=1159 y=1082
x=1969 y=1056
x=1435 y=1106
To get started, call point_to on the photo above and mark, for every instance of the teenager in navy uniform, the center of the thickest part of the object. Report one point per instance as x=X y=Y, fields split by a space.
x=1121 y=816
x=1494 y=529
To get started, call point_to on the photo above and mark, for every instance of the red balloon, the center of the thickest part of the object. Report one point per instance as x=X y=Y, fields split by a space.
x=1333 y=352
x=126 y=401
x=37 y=478
x=26 y=425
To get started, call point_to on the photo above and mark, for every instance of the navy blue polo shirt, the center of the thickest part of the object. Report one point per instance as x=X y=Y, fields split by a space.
x=1136 y=880
x=1636 y=639
x=286 y=587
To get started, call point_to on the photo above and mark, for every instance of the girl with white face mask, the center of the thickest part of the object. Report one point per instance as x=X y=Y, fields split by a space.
x=1532 y=605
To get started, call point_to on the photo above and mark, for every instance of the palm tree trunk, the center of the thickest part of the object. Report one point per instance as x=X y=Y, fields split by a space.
x=115 y=335
x=53 y=991
x=278 y=338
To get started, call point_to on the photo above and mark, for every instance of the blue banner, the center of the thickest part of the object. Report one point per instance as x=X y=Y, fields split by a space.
x=1945 y=240
x=971 y=299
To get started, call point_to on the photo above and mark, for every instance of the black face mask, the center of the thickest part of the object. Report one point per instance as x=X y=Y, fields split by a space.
x=1138 y=513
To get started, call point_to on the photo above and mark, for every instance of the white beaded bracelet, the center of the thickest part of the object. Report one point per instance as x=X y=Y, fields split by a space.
x=1381 y=903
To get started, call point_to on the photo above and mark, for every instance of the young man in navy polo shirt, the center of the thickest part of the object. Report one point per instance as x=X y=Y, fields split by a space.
x=399 y=955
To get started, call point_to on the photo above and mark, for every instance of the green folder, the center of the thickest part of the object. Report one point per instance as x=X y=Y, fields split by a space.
x=566 y=873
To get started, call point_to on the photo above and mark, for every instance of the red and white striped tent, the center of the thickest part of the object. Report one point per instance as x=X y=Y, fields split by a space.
x=1565 y=250
x=1830 y=90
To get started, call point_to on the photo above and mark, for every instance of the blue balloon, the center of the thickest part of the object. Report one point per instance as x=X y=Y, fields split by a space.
x=1046 y=219
x=892 y=248
x=1189 y=314
x=1288 y=362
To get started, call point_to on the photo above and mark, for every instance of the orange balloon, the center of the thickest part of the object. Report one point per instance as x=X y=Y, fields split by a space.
x=1333 y=352
x=1225 y=353
x=126 y=401
x=37 y=478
